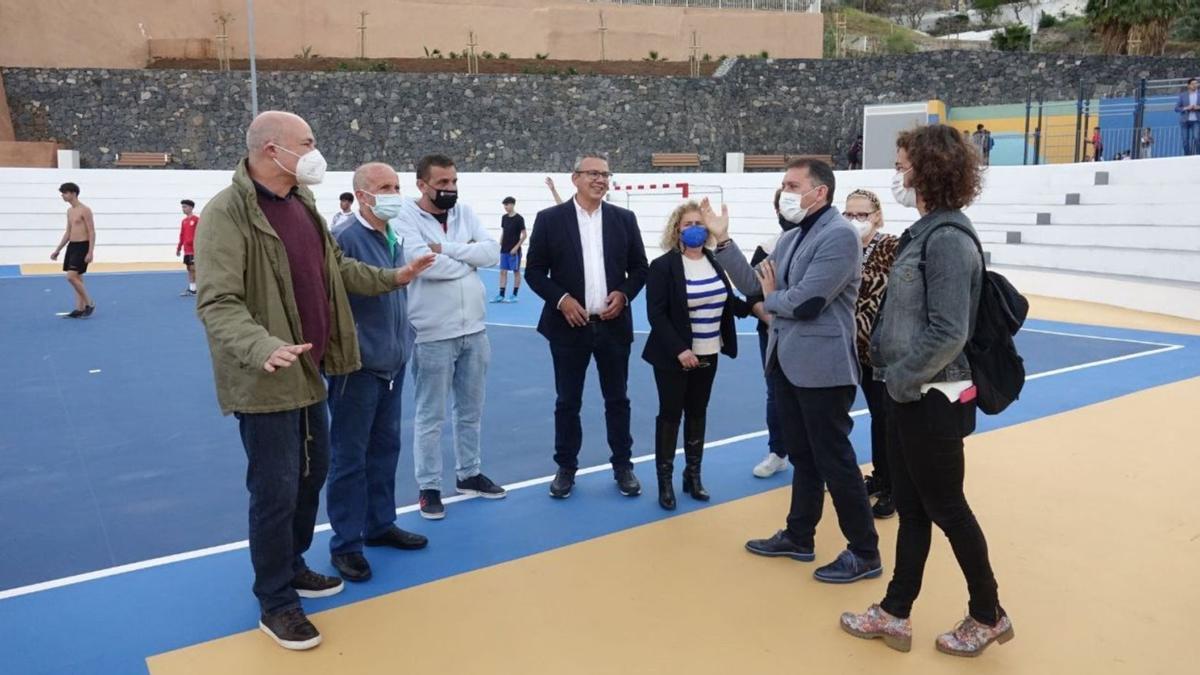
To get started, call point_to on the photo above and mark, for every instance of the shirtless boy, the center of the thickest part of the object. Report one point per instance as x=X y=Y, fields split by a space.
x=80 y=241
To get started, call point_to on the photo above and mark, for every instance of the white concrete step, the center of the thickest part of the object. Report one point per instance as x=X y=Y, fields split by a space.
x=1142 y=264
x=1147 y=295
x=1186 y=237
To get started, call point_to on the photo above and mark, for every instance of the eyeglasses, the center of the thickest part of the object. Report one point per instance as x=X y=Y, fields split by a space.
x=595 y=175
x=858 y=216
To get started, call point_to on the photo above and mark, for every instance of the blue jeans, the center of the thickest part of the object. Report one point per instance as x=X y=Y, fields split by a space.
x=364 y=438
x=774 y=434
x=460 y=363
x=287 y=458
x=1191 y=137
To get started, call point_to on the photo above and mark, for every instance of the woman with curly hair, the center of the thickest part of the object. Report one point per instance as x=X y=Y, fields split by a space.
x=864 y=212
x=917 y=350
x=691 y=308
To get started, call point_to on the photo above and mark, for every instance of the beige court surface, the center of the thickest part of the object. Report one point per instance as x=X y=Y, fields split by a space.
x=1091 y=517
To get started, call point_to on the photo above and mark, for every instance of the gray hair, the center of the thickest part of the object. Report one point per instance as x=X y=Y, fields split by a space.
x=267 y=128
x=590 y=155
x=360 y=174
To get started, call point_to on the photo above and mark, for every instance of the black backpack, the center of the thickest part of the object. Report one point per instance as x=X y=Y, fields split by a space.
x=996 y=368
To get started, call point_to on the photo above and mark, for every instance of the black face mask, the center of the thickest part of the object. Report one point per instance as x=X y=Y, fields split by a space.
x=445 y=199
x=786 y=224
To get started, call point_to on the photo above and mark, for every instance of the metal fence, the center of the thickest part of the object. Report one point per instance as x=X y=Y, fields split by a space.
x=765 y=5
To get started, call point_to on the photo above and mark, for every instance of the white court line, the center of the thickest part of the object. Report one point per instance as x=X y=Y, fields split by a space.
x=225 y=548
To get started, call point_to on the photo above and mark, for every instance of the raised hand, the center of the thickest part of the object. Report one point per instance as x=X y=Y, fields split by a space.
x=413 y=269
x=766 y=276
x=717 y=225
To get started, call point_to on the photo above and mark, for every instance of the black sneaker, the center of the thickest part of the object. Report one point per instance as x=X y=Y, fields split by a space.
x=847 y=568
x=482 y=486
x=431 y=505
x=564 y=480
x=290 y=629
x=352 y=566
x=869 y=482
x=884 y=506
x=781 y=546
x=628 y=483
x=73 y=314
x=398 y=538
x=87 y=311
x=309 y=584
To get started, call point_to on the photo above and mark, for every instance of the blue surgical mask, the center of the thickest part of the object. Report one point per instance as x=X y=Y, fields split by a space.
x=693 y=236
x=387 y=206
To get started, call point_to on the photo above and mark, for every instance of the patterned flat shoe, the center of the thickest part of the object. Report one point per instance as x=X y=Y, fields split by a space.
x=970 y=637
x=876 y=623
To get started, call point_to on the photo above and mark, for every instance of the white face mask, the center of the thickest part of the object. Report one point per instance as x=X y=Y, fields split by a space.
x=310 y=168
x=863 y=227
x=387 y=206
x=906 y=196
x=790 y=208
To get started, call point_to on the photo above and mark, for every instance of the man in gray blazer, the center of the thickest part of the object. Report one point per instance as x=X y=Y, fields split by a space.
x=810 y=285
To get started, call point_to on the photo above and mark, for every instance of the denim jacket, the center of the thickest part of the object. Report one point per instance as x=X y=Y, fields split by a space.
x=927 y=318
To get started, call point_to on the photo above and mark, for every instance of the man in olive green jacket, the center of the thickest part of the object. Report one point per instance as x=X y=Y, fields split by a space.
x=271 y=292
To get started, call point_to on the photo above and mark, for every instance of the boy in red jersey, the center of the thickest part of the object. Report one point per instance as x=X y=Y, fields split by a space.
x=187 y=237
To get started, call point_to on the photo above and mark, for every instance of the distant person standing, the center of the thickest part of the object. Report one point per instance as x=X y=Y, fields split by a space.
x=512 y=237
x=343 y=217
x=1097 y=143
x=1147 y=142
x=1188 y=107
x=187 y=244
x=854 y=156
x=80 y=241
x=982 y=139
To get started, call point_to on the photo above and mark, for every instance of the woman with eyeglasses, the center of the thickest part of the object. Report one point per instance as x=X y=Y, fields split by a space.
x=917 y=350
x=879 y=250
x=691 y=308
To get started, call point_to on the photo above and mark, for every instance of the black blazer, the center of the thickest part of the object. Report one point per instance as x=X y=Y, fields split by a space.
x=667 y=309
x=555 y=267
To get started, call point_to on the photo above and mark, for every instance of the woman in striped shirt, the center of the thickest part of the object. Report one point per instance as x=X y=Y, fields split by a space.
x=691 y=308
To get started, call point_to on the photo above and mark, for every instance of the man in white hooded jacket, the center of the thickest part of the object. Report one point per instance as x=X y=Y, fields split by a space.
x=446 y=309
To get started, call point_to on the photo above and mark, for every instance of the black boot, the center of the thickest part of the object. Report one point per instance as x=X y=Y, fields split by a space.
x=666 y=432
x=693 y=452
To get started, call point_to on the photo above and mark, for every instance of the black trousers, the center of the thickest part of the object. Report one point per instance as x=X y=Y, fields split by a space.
x=876 y=395
x=570 y=370
x=926 y=450
x=683 y=392
x=816 y=430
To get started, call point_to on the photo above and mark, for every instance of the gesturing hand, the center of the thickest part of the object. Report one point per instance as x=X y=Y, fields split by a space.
x=614 y=304
x=718 y=226
x=413 y=269
x=766 y=276
x=688 y=360
x=573 y=312
x=285 y=356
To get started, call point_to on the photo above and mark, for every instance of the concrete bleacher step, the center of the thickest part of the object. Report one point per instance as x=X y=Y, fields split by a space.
x=1134 y=237
x=1120 y=214
x=1149 y=264
x=1149 y=295
x=1164 y=193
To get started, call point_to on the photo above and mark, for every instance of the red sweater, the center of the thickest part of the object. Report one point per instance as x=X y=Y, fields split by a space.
x=187 y=234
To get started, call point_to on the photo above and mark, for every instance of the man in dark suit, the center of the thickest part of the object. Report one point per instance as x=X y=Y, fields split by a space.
x=587 y=261
x=1188 y=107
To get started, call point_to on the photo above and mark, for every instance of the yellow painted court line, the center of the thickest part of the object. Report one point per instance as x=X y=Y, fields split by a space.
x=1093 y=528
x=36 y=269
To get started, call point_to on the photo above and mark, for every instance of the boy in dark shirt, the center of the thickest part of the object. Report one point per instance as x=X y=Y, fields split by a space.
x=512 y=226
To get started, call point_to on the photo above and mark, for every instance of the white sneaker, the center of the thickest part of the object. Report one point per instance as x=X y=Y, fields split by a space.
x=770 y=466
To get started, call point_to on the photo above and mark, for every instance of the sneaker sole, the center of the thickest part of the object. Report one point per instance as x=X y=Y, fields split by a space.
x=897 y=643
x=879 y=517
x=308 y=593
x=865 y=575
x=630 y=494
x=485 y=495
x=555 y=495
x=1001 y=638
x=294 y=645
x=801 y=557
x=433 y=516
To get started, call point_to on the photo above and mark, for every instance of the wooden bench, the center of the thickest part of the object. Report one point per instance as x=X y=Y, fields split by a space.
x=143 y=158
x=780 y=161
x=674 y=159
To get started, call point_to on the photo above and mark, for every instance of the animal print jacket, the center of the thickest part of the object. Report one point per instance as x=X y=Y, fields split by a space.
x=881 y=252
